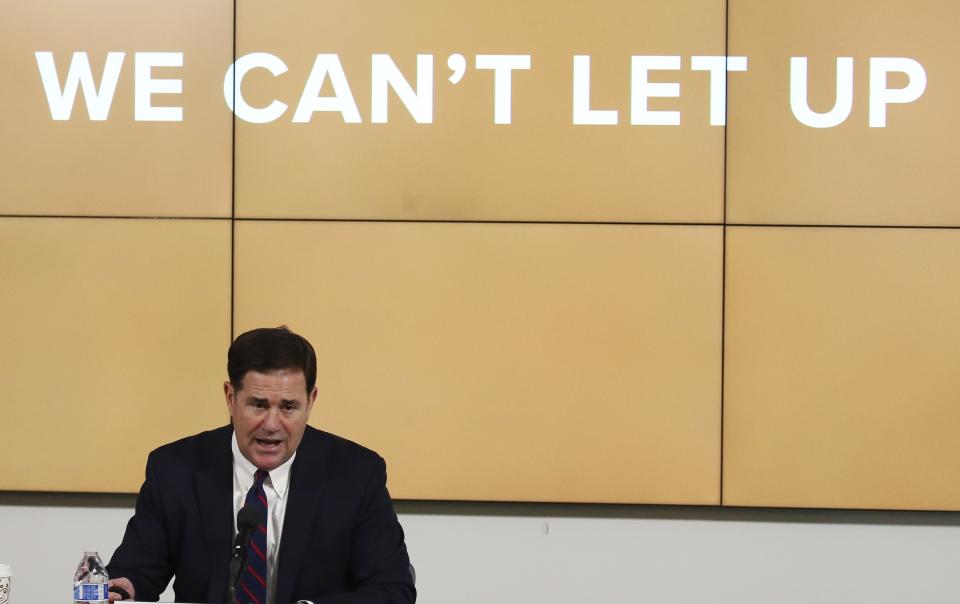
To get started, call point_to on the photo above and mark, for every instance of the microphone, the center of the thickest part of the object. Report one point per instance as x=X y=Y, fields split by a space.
x=247 y=520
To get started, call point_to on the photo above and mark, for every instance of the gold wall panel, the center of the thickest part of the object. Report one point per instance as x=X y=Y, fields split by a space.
x=117 y=166
x=114 y=341
x=463 y=166
x=783 y=172
x=841 y=368
x=506 y=362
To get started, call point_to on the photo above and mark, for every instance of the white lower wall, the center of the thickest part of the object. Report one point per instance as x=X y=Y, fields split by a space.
x=513 y=554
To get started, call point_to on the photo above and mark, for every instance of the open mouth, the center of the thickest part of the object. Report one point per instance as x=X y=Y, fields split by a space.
x=269 y=444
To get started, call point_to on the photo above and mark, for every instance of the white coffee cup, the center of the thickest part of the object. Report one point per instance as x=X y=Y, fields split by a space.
x=5 y=574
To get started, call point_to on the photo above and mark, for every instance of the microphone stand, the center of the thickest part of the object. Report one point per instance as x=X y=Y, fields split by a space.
x=246 y=521
x=236 y=564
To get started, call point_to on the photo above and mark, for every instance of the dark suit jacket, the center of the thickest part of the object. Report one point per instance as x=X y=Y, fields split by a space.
x=341 y=540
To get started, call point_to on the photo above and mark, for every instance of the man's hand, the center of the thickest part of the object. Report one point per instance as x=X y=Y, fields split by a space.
x=124 y=584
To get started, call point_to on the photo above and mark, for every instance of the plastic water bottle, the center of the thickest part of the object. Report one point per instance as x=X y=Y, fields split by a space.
x=90 y=581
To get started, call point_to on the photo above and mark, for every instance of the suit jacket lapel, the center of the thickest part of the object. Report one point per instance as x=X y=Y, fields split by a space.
x=307 y=477
x=214 y=489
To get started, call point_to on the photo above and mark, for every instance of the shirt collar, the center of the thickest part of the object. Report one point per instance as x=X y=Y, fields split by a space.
x=244 y=470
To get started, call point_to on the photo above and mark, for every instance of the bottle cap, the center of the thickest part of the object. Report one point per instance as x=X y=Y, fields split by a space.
x=5 y=570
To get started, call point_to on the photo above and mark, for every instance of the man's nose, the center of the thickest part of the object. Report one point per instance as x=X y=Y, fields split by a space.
x=271 y=422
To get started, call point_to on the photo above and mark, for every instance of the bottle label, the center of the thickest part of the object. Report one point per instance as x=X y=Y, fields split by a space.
x=91 y=592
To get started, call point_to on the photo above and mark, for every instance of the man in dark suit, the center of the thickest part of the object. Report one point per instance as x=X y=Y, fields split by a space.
x=326 y=531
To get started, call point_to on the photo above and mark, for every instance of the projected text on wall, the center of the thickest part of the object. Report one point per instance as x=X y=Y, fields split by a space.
x=646 y=77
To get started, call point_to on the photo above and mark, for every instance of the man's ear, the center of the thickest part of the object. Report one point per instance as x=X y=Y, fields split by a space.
x=230 y=396
x=310 y=399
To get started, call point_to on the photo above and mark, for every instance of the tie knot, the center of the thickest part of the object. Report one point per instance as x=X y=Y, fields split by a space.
x=260 y=476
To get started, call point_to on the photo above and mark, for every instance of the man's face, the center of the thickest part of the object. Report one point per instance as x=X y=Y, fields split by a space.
x=270 y=413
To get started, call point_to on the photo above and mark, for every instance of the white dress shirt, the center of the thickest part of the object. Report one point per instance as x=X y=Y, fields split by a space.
x=276 y=487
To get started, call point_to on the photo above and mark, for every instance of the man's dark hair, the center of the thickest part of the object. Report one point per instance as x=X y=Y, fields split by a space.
x=271 y=349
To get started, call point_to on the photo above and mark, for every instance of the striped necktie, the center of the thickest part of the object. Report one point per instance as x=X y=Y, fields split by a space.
x=253 y=579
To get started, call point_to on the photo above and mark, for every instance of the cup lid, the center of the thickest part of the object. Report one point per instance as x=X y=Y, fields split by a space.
x=5 y=570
